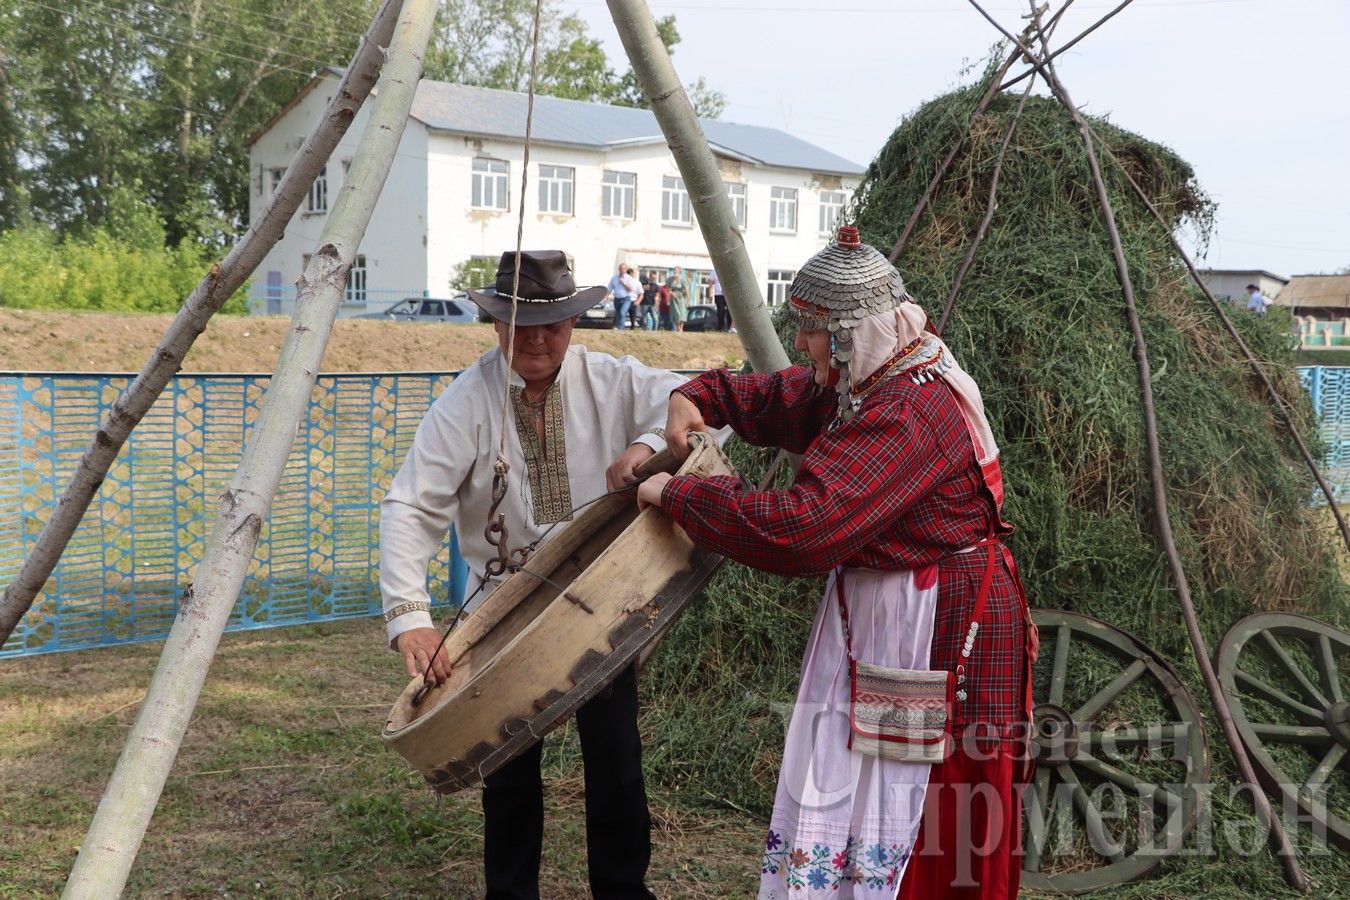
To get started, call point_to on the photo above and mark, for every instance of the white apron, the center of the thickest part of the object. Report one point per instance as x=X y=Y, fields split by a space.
x=844 y=824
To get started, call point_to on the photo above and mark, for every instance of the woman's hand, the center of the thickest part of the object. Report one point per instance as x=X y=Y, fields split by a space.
x=417 y=645
x=682 y=418
x=620 y=472
x=649 y=492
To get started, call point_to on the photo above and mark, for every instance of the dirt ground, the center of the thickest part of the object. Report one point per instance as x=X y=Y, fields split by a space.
x=38 y=341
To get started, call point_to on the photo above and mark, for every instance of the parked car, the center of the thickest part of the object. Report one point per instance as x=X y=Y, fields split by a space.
x=601 y=315
x=700 y=317
x=458 y=309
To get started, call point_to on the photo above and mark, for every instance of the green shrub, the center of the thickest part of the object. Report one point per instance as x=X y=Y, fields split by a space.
x=122 y=265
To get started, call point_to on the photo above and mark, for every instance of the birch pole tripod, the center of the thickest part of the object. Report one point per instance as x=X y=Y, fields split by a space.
x=109 y=848
x=698 y=167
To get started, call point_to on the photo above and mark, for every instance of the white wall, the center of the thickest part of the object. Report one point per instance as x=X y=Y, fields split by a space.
x=423 y=225
x=597 y=244
x=395 y=242
x=1232 y=285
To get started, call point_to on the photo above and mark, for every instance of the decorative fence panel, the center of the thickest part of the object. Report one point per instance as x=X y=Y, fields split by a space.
x=318 y=555
x=138 y=546
x=1329 y=388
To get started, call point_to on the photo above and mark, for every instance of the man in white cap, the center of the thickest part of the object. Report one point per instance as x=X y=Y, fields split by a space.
x=570 y=412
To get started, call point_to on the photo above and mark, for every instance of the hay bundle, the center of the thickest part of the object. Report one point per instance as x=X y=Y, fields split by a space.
x=1041 y=326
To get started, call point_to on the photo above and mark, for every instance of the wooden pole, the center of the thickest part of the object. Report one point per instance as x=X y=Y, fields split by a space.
x=1293 y=873
x=702 y=179
x=109 y=849
x=211 y=292
x=926 y=197
x=1252 y=361
x=989 y=210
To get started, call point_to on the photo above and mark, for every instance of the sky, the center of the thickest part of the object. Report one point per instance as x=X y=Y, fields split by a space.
x=1255 y=94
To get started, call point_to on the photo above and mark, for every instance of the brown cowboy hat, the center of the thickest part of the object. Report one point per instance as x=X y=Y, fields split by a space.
x=546 y=295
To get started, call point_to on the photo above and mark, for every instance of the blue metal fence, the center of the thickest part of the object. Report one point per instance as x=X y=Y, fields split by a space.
x=138 y=546
x=1329 y=388
x=318 y=555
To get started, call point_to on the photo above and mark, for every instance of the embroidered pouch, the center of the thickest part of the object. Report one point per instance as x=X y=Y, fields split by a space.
x=900 y=714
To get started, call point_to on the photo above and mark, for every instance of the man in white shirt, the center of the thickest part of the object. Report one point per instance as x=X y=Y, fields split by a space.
x=623 y=290
x=1257 y=302
x=570 y=412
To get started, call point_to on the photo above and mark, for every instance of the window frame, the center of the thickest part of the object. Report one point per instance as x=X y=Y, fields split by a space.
x=356 y=290
x=275 y=175
x=782 y=207
x=553 y=186
x=672 y=190
x=780 y=281
x=613 y=194
x=738 y=203
x=316 y=202
x=490 y=181
x=827 y=229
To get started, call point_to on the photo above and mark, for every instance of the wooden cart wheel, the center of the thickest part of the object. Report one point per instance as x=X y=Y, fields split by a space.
x=1286 y=678
x=1120 y=754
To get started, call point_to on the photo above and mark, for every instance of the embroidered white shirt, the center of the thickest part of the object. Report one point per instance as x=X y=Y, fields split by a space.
x=607 y=404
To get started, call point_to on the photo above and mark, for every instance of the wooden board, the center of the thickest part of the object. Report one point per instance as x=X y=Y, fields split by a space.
x=528 y=657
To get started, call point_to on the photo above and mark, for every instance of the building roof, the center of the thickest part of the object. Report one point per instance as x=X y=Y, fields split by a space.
x=1326 y=291
x=486 y=112
x=1280 y=278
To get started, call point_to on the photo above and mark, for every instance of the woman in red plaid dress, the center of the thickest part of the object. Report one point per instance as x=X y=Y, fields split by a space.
x=897 y=498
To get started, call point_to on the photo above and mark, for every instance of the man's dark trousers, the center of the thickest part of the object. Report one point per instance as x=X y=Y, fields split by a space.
x=723 y=314
x=618 y=826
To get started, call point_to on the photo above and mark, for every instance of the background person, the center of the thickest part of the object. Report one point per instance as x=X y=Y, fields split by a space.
x=623 y=287
x=1257 y=302
x=679 y=298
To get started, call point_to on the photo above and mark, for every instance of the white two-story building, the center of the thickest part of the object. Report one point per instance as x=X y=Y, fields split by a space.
x=602 y=186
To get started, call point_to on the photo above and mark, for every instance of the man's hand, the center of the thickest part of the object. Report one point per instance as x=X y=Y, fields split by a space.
x=417 y=645
x=620 y=472
x=649 y=492
x=682 y=418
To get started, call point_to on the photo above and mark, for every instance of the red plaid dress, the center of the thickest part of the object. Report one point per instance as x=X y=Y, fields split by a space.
x=897 y=487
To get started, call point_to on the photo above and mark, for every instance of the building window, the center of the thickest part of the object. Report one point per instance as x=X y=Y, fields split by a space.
x=782 y=209
x=736 y=193
x=779 y=282
x=489 y=184
x=555 y=189
x=618 y=195
x=318 y=193
x=356 y=281
x=831 y=208
x=675 y=209
x=274 y=179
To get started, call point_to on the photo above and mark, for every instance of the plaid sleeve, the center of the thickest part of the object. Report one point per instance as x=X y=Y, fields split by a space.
x=854 y=482
x=779 y=409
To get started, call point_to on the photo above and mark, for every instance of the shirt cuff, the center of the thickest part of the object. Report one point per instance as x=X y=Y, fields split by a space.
x=417 y=616
x=655 y=439
x=675 y=496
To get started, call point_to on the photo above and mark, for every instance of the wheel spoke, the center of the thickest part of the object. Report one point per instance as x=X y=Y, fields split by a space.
x=1270 y=733
x=1276 y=696
x=1326 y=662
x=1062 y=638
x=1309 y=689
x=1149 y=734
x=1101 y=843
x=1038 y=825
x=1155 y=792
x=1113 y=690
x=1318 y=778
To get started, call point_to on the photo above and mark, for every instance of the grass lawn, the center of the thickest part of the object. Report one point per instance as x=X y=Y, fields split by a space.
x=283 y=787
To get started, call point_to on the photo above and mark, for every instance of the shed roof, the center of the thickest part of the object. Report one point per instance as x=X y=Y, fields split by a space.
x=486 y=112
x=1317 y=290
x=1271 y=275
